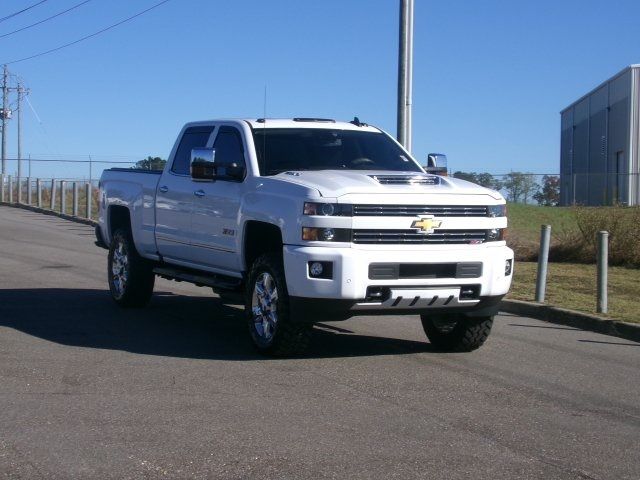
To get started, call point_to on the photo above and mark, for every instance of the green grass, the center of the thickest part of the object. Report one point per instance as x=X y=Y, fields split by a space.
x=525 y=221
x=573 y=286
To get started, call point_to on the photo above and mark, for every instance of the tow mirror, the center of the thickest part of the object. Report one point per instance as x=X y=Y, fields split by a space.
x=203 y=163
x=436 y=164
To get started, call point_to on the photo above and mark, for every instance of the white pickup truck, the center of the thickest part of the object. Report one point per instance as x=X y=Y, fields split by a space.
x=312 y=220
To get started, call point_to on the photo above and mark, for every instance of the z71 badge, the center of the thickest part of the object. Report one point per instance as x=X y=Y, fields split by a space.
x=426 y=224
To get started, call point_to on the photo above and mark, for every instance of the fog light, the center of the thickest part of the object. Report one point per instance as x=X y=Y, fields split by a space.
x=508 y=266
x=316 y=269
x=327 y=234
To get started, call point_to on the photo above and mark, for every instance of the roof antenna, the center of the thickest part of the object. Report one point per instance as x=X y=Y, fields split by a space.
x=264 y=133
x=356 y=121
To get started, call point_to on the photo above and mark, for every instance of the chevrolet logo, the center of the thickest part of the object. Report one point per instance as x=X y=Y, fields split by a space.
x=426 y=224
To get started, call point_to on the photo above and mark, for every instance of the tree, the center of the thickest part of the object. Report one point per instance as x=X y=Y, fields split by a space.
x=151 y=163
x=549 y=195
x=482 y=179
x=520 y=186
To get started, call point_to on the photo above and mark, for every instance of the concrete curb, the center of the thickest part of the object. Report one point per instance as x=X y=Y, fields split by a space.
x=85 y=221
x=571 y=318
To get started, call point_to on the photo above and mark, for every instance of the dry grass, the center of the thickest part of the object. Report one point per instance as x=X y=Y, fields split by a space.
x=573 y=286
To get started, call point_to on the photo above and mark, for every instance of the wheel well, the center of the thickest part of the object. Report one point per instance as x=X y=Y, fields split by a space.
x=260 y=238
x=118 y=218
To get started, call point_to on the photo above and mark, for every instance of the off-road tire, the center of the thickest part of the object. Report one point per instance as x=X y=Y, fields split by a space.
x=468 y=333
x=289 y=337
x=130 y=280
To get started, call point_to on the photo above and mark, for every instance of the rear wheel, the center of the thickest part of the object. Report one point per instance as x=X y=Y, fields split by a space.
x=456 y=332
x=267 y=310
x=131 y=277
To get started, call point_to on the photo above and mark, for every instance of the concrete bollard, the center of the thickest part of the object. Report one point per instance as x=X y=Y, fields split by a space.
x=543 y=262
x=39 y=192
x=1 y=187
x=603 y=273
x=75 y=199
x=10 y=189
x=19 y=189
x=29 y=191
x=88 y=199
x=53 y=195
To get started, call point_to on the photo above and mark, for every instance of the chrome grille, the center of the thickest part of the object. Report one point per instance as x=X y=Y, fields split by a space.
x=386 y=237
x=415 y=210
x=407 y=179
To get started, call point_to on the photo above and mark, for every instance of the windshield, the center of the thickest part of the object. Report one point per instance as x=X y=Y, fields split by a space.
x=283 y=149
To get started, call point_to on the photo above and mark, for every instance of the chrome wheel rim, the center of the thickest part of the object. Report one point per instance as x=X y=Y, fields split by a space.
x=120 y=269
x=264 y=306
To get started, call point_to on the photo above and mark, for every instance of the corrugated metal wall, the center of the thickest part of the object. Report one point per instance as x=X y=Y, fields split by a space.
x=598 y=151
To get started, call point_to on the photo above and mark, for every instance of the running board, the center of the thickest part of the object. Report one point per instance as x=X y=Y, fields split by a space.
x=200 y=280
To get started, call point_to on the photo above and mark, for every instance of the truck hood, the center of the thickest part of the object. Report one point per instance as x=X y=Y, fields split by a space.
x=336 y=183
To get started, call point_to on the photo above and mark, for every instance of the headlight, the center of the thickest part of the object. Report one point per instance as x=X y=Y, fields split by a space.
x=327 y=209
x=497 y=210
x=313 y=234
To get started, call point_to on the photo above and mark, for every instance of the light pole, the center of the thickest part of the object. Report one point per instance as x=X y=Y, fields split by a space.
x=405 y=73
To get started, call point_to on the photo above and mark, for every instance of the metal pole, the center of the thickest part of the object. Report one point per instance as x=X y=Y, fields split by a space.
x=39 y=192
x=63 y=196
x=19 y=90
x=53 y=194
x=5 y=104
x=29 y=191
x=75 y=199
x=603 y=265
x=88 y=199
x=405 y=73
x=543 y=261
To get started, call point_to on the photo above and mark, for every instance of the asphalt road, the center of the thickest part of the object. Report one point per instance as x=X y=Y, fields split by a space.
x=175 y=390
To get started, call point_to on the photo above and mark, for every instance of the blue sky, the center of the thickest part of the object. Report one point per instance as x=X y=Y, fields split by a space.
x=490 y=77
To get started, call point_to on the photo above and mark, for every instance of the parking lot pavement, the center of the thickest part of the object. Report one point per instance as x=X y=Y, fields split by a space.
x=176 y=391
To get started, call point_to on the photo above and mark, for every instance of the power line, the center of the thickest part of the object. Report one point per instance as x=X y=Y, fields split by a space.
x=46 y=19
x=21 y=11
x=88 y=36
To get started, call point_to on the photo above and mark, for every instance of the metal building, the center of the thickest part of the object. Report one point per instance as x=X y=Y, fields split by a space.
x=600 y=144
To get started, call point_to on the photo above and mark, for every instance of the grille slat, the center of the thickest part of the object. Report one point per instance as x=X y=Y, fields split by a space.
x=407 y=179
x=410 y=236
x=414 y=210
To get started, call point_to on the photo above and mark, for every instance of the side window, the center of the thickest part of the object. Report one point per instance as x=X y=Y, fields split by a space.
x=229 y=147
x=194 y=137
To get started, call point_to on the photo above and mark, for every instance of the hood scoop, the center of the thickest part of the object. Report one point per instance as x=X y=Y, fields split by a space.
x=407 y=179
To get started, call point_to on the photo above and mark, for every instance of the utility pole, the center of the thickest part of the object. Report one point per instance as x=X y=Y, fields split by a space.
x=5 y=116
x=405 y=73
x=19 y=90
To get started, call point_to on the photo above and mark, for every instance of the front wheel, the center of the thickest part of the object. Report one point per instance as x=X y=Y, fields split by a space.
x=267 y=310
x=456 y=332
x=131 y=277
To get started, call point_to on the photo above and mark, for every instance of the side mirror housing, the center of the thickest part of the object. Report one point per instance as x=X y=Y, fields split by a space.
x=203 y=164
x=436 y=164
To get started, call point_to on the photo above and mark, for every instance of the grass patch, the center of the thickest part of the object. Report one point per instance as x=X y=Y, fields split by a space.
x=573 y=286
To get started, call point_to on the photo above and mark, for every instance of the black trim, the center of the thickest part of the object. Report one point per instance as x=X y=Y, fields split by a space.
x=312 y=310
x=99 y=240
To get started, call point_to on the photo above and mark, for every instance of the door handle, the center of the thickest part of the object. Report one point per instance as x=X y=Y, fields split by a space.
x=199 y=193
x=164 y=189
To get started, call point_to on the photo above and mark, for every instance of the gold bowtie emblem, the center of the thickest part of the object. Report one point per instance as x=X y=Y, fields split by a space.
x=426 y=225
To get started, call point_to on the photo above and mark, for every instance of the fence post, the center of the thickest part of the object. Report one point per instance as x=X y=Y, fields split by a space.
x=29 y=191
x=88 y=199
x=603 y=266
x=543 y=261
x=63 y=197
x=39 y=192
x=53 y=194
x=10 y=189
x=19 y=189
x=1 y=187
x=75 y=199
